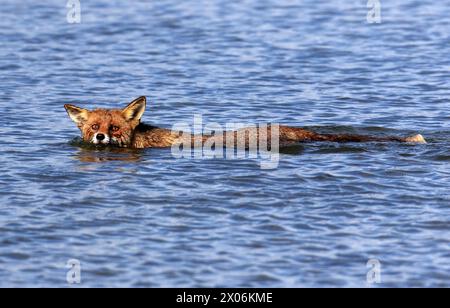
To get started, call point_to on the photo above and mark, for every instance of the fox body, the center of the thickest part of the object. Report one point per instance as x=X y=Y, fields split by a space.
x=123 y=128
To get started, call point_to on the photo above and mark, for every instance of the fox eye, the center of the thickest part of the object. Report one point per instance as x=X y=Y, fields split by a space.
x=95 y=127
x=115 y=128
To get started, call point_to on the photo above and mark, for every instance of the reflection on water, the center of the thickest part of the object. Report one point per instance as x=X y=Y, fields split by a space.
x=105 y=155
x=89 y=153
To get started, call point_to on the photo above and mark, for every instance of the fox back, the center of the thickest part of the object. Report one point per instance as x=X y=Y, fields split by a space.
x=123 y=128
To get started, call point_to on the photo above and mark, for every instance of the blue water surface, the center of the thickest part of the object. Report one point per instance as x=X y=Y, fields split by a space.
x=147 y=219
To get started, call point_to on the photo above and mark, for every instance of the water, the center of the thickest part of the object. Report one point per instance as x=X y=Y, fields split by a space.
x=144 y=218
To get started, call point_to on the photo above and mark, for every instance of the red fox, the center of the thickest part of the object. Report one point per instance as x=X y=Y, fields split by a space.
x=123 y=128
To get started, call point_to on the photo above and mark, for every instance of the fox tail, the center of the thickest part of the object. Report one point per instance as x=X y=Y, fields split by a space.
x=416 y=139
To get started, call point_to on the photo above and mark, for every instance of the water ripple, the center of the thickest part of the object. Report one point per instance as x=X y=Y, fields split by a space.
x=145 y=219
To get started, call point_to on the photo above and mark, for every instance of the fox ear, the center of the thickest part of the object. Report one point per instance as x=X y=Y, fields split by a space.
x=135 y=109
x=78 y=115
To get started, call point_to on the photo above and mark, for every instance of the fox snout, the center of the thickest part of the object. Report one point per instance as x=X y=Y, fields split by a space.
x=100 y=138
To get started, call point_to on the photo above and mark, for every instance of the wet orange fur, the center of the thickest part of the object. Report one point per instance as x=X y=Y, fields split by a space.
x=107 y=119
x=125 y=130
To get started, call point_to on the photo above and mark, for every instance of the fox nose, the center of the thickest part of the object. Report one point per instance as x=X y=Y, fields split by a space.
x=100 y=137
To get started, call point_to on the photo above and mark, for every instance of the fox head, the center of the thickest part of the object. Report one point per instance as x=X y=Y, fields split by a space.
x=108 y=126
